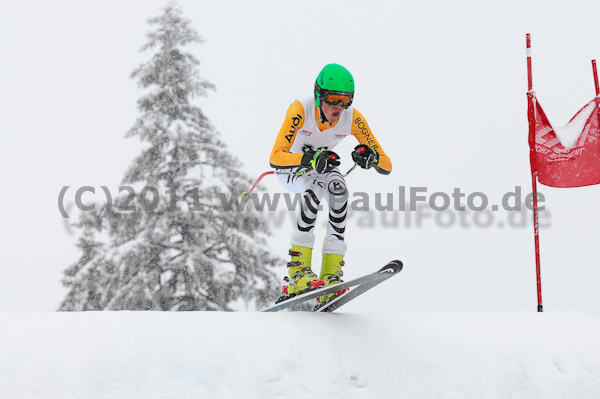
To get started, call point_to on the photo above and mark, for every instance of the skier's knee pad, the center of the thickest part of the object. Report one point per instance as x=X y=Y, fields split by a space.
x=338 y=192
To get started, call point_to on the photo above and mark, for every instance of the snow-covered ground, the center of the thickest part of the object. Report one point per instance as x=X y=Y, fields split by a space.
x=299 y=355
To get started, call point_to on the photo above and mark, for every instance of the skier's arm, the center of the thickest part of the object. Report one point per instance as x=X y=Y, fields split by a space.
x=362 y=132
x=281 y=156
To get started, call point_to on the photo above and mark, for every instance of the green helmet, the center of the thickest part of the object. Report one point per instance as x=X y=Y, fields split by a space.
x=333 y=77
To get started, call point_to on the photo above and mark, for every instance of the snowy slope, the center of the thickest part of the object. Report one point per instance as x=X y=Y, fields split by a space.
x=255 y=355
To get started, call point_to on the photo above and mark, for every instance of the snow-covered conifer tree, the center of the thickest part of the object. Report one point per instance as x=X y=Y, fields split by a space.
x=144 y=254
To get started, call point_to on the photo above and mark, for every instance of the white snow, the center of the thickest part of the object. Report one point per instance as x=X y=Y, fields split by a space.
x=299 y=355
x=570 y=133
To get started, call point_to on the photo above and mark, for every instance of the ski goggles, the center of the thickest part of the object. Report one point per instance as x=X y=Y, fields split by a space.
x=335 y=98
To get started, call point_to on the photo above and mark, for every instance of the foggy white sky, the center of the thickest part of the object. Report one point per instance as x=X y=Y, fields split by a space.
x=441 y=84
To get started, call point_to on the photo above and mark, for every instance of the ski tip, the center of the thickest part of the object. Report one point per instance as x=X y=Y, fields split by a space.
x=393 y=266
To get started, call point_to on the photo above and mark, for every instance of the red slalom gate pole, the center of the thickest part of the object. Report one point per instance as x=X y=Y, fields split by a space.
x=529 y=77
x=536 y=225
x=595 y=70
x=536 y=237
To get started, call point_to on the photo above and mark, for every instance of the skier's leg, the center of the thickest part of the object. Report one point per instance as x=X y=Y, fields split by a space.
x=311 y=185
x=336 y=194
x=334 y=246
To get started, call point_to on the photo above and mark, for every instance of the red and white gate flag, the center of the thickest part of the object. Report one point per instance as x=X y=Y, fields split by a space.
x=567 y=156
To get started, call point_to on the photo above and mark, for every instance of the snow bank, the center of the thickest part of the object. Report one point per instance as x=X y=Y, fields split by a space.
x=299 y=355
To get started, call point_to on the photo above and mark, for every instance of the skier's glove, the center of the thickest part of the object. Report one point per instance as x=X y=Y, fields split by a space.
x=324 y=161
x=366 y=157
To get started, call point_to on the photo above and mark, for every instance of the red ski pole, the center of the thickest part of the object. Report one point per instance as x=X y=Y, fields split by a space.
x=245 y=194
x=281 y=172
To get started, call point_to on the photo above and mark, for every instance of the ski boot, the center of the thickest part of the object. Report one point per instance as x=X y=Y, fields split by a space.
x=331 y=274
x=301 y=278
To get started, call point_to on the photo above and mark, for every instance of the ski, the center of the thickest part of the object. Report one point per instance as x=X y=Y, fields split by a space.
x=362 y=285
x=337 y=302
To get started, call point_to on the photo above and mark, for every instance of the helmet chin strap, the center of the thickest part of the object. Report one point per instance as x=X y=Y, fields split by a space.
x=318 y=95
x=323 y=118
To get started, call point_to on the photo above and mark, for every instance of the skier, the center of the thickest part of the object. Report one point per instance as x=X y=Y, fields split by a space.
x=312 y=128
